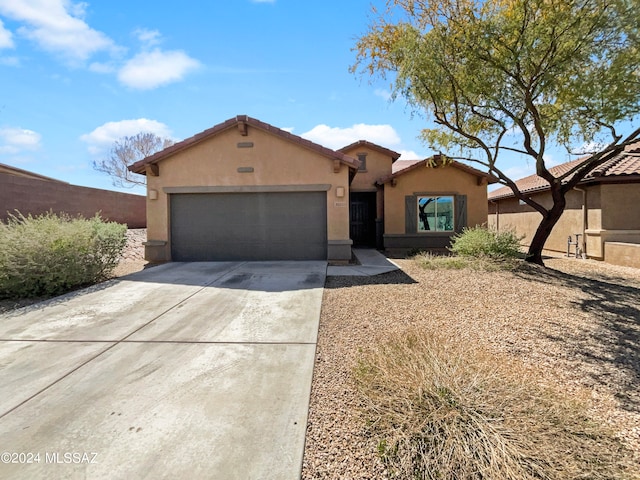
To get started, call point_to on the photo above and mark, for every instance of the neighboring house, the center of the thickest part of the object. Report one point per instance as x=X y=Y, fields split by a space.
x=246 y=190
x=31 y=193
x=604 y=210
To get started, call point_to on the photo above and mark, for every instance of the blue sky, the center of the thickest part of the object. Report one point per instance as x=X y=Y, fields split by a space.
x=75 y=77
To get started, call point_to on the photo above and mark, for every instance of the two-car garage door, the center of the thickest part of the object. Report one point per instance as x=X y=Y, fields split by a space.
x=249 y=226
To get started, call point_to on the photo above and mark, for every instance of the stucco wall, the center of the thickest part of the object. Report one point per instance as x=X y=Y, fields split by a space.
x=37 y=196
x=613 y=215
x=625 y=254
x=378 y=166
x=447 y=180
x=275 y=162
x=525 y=220
x=621 y=202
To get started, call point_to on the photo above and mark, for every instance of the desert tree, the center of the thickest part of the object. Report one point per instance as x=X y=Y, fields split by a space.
x=516 y=77
x=127 y=151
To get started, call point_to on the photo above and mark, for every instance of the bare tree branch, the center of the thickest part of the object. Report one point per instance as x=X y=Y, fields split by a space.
x=127 y=151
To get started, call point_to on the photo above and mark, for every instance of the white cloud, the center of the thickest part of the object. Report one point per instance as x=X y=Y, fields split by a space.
x=16 y=140
x=335 y=137
x=5 y=37
x=102 y=138
x=410 y=155
x=148 y=38
x=57 y=26
x=263 y=1
x=149 y=70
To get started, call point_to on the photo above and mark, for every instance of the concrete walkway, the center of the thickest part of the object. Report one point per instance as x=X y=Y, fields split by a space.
x=196 y=370
x=372 y=262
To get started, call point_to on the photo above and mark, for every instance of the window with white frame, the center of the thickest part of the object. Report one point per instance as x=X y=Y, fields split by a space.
x=435 y=213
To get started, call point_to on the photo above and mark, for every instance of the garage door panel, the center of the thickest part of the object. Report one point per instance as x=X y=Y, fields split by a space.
x=249 y=226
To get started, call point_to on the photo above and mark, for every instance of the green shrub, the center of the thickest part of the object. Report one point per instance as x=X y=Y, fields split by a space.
x=443 y=409
x=50 y=254
x=484 y=242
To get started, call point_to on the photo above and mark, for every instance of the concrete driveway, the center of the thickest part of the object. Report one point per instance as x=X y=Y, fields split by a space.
x=186 y=370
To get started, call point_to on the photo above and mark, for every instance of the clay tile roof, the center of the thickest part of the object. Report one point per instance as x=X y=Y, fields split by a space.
x=404 y=166
x=139 y=167
x=623 y=165
x=365 y=143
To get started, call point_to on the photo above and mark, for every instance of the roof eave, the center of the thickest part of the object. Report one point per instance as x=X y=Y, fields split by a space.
x=140 y=166
x=366 y=143
x=436 y=158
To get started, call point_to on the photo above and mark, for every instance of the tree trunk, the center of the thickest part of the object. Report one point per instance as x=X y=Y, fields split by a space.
x=534 y=255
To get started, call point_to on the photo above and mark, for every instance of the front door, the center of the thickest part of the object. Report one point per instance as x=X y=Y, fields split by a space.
x=362 y=214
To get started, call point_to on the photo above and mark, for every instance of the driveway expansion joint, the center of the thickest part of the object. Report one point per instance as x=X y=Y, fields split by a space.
x=183 y=368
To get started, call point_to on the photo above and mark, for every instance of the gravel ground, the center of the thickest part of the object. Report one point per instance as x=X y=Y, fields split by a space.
x=575 y=325
x=133 y=254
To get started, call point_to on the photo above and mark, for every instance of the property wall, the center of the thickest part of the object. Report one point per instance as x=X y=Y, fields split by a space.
x=37 y=196
x=620 y=253
x=275 y=162
x=440 y=180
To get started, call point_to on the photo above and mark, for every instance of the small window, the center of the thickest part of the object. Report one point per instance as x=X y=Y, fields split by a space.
x=363 y=162
x=435 y=214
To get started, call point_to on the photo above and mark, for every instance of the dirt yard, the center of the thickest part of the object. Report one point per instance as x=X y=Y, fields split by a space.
x=575 y=325
x=133 y=254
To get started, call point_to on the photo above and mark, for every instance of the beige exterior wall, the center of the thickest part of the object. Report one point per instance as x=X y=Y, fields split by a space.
x=525 y=220
x=625 y=254
x=616 y=200
x=215 y=162
x=433 y=180
x=378 y=166
x=612 y=216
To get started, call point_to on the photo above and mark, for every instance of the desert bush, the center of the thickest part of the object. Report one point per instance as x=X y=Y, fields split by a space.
x=441 y=410
x=51 y=254
x=486 y=242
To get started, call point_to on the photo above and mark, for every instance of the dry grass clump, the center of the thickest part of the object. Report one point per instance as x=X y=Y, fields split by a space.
x=430 y=261
x=448 y=411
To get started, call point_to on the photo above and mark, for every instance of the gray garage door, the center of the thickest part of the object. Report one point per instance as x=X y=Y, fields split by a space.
x=249 y=226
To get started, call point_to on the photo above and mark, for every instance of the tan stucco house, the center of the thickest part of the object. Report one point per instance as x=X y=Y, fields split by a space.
x=246 y=190
x=604 y=210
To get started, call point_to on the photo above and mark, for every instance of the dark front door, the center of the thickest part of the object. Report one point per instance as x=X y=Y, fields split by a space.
x=362 y=214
